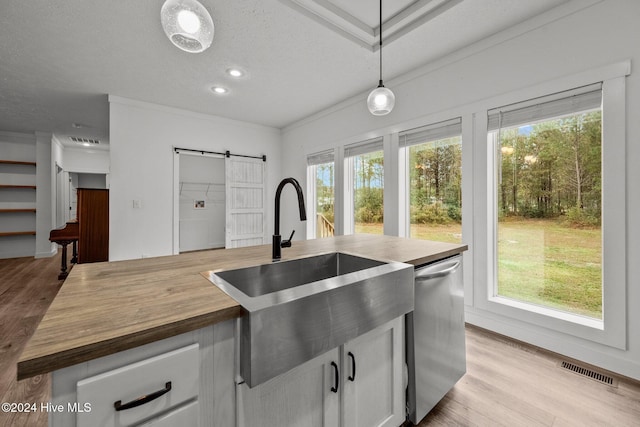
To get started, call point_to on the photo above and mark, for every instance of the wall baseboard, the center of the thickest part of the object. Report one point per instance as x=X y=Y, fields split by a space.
x=47 y=254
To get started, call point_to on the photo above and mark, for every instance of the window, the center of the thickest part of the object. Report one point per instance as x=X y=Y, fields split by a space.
x=364 y=204
x=321 y=195
x=431 y=169
x=493 y=210
x=548 y=201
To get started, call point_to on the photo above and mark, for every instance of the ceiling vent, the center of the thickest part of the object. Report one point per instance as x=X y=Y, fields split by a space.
x=84 y=141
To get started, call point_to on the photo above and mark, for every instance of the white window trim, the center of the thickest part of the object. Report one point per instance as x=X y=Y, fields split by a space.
x=312 y=202
x=392 y=183
x=404 y=221
x=348 y=225
x=612 y=330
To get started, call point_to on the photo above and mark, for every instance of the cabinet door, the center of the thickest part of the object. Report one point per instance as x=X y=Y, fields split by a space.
x=372 y=376
x=301 y=397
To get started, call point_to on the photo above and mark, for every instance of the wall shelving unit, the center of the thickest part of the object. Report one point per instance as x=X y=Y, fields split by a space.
x=17 y=186
x=17 y=210
x=16 y=162
x=17 y=205
x=17 y=233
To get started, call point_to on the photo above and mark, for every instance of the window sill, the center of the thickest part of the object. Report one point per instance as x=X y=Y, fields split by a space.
x=589 y=322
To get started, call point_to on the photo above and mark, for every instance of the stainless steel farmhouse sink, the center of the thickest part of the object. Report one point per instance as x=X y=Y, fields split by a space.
x=298 y=309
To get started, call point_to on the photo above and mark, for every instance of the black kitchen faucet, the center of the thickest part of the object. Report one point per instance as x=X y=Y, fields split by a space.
x=278 y=243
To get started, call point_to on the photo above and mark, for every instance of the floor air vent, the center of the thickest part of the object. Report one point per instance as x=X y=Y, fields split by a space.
x=596 y=376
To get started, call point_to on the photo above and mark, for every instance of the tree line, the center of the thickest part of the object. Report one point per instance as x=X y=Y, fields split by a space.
x=546 y=170
x=435 y=182
x=553 y=170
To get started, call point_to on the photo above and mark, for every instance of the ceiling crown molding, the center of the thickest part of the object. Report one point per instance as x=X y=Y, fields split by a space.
x=406 y=17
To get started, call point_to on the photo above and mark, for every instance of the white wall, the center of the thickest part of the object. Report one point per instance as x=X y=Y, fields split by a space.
x=79 y=159
x=60 y=201
x=85 y=160
x=142 y=137
x=45 y=190
x=92 y=180
x=563 y=43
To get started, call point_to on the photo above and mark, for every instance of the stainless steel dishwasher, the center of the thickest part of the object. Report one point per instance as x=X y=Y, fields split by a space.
x=435 y=341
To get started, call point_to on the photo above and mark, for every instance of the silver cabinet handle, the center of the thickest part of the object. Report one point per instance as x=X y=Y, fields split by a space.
x=438 y=273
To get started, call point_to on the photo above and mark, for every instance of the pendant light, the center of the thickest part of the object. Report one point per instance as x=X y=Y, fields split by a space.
x=381 y=100
x=188 y=25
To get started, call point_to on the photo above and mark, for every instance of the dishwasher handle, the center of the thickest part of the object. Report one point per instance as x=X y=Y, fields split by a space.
x=431 y=272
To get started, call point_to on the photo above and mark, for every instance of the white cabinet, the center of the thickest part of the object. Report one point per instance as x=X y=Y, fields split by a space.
x=372 y=377
x=357 y=384
x=142 y=390
x=300 y=397
x=192 y=375
x=186 y=415
x=201 y=366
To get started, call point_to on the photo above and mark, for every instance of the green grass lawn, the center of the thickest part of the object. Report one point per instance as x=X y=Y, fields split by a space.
x=445 y=233
x=541 y=262
x=544 y=262
x=368 y=228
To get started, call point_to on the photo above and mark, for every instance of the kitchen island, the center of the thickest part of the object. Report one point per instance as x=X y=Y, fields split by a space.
x=105 y=309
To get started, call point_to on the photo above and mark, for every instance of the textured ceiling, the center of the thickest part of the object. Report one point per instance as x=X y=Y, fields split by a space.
x=59 y=59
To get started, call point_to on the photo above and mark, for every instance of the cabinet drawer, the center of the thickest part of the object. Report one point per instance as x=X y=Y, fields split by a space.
x=126 y=384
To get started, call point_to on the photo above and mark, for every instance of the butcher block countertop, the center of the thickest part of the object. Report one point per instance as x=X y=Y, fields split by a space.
x=104 y=308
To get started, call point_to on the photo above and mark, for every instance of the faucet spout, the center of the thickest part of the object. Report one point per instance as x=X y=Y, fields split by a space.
x=277 y=239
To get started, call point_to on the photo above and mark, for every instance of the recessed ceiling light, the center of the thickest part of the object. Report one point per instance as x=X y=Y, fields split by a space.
x=235 y=72
x=219 y=90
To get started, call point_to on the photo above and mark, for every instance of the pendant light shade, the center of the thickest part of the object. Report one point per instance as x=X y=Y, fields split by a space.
x=187 y=24
x=381 y=100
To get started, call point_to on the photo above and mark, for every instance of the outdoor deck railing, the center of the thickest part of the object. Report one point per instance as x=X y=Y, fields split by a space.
x=324 y=227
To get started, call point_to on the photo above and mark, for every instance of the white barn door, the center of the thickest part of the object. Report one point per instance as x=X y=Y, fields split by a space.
x=245 y=207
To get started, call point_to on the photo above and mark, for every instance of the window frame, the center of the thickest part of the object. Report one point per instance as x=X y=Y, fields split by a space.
x=440 y=129
x=350 y=152
x=611 y=330
x=313 y=161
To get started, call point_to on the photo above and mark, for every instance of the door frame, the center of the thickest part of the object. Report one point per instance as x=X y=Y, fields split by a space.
x=176 y=189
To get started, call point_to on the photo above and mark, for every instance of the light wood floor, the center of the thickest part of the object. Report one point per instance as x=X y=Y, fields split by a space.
x=507 y=383
x=513 y=384
x=27 y=287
